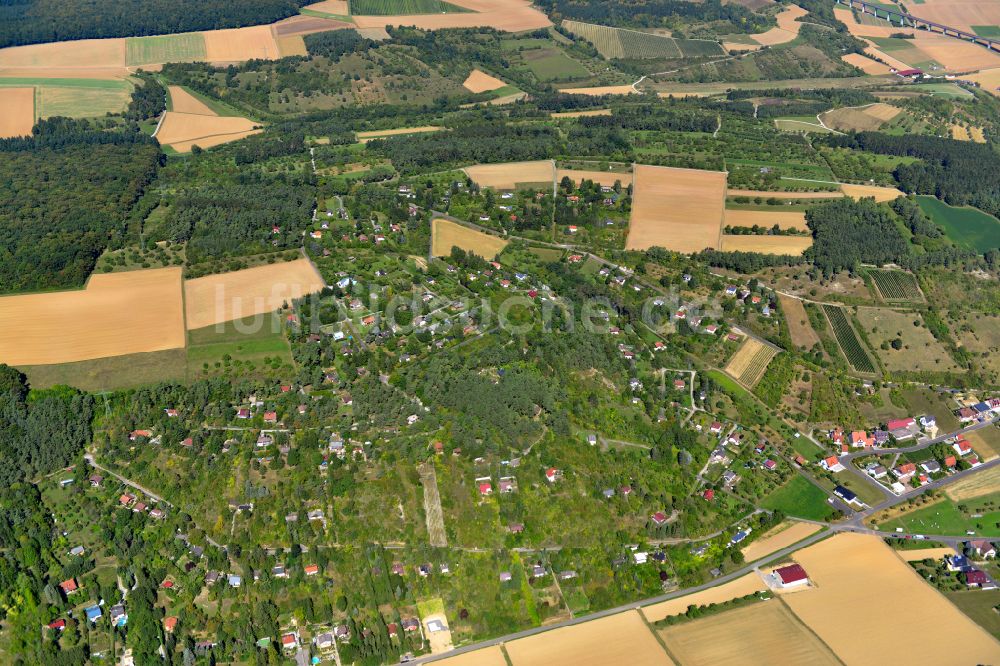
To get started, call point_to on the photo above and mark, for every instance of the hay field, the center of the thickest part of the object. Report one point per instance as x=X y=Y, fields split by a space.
x=18 y=115
x=507 y=175
x=860 y=119
x=750 y=361
x=925 y=553
x=960 y=133
x=117 y=313
x=81 y=102
x=446 y=235
x=83 y=53
x=740 y=587
x=184 y=102
x=858 y=576
x=766 y=219
x=678 y=209
x=793 y=245
x=335 y=7
x=618 y=639
x=597 y=91
x=964 y=14
x=606 y=178
x=580 y=114
x=182 y=47
x=799 y=328
x=986 y=443
x=865 y=64
x=780 y=536
x=976 y=485
x=880 y=193
x=292 y=45
x=764 y=633
x=365 y=137
x=182 y=131
x=219 y=298
x=921 y=351
x=505 y=15
x=239 y=44
x=491 y=656
x=479 y=81
x=787 y=30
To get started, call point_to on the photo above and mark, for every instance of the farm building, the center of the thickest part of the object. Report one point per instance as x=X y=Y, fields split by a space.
x=791 y=576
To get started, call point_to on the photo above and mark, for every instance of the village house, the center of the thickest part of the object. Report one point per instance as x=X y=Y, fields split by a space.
x=552 y=474
x=659 y=518
x=977 y=578
x=982 y=549
x=905 y=471
x=846 y=495
x=962 y=447
x=832 y=464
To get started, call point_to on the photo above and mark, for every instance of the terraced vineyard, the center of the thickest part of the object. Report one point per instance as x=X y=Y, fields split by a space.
x=621 y=43
x=851 y=345
x=895 y=285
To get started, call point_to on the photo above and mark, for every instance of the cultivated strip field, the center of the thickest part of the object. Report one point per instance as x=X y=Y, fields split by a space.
x=580 y=114
x=182 y=131
x=184 y=102
x=799 y=328
x=676 y=209
x=227 y=296
x=432 y=506
x=598 y=91
x=763 y=633
x=865 y=64
x=18 y=115
x=787 y=30
x=446 y=234
x=778 y=537
x=479 y=81
x=606 y=178
x=766 y=219
x=784 y=195
x=848 y=339
x=895 y=285
x=792 y=245
x=740 y=587
x=508 y=175
x=618 y=639
x=117 y=313
x=750 y=361
x=365 y=137
x=507 y=15
x=880 y=193
x=858 y=574
x=183 y=47
x=860 y=119
x=977 y=485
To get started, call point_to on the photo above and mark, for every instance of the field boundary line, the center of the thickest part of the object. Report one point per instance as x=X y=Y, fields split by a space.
x=659 y=639
x=159 y=123
x=805 y=626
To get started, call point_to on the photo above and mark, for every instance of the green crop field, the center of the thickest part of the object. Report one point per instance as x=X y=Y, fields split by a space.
x=622 y=43
x=852 y=346
x=401 y=7
x=553 y=65
x=643 y=45
x=799 y=498
x=991 y=31
x=75 y=98
x=949 y=517
x=895 y=285
x=699 y=48
x=185 y=47
x=968 y=227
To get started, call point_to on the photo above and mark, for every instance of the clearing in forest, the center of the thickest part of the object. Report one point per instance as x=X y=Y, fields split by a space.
x=676 y=209
x=860 y=118
x=214 y=299
x=511 y=175
x=479 y=81
x=115 y=314
x=790 y=245
x=432 y=506
x=617 y=639
x=750 y=361
x=856 y=573
x=18 y=115
x=763 y=633
x=801 y=331
x=183 y=131
x=446 y=234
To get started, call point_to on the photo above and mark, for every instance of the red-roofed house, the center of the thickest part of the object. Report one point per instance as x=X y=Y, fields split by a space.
x=552 y=475
x=832 y=464
x=69 y=586
x=791 y=576
x=169 y=624
x=949 y=461
x=715 y=428
x=709 y=494
x=485 y=488
x=312 y=569
x=962 y=447
x=58 y=625
x=905 y=471
x=659 y=518
x=136 y=434
x=897 y=424
x=270 y=417
x=860 y=438
x=977 y=578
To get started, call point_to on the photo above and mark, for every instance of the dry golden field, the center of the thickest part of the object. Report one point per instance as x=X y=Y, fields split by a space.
x=479 y=82
x=365 y=137
x=860 y=119
x=618 y=639
x=865 y=64
x=778 y=537
x=607 y=178
x=977 y=485
x=491 y=656
x=767 y=244
x=18 y=115
x=600 y=90
x=677 y=209
x=764 y=634
x=784 y=195
x=184 y=102
x=787 y=30
x=985 y=443
x=446 y=235
x=766 y=219
x=182 y=131
x=580 y=114
x=83 y=53
x=338 y=7
x=291 y=45
x=219 y=298
x=740 y=587
x=925 y=553
x=961 y=133
x=117 y=313
x=989 y=79
x=799 y=328
x=880 y=193
x=507 y=175
x=239 y=44
x=505 y=15
x=870 y=607
x=750 y=361
x=959 y=13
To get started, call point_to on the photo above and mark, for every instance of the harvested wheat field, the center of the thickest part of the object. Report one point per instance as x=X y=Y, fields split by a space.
x=505 y=15
x=784 y=195
x=766 y=219
x=601 y=90
x=880 y=193
x=291 y=45
x=989 y=79
x=858 y=576
x=764 y=633
x=860 y=119
x=955 y=54
x=182 y=131
x=446 y=234
x=337 y=7
x=500 y=101
x=184 y=102
x=606 y=178
x=925 y=553
x=116 y=314
x=677 y=209
x=962 y=14
x=507 y=175
x=239 y=44
x=18 y=115
x=479 y=82
x=740 y=587
x=219 y=298
x=618 y=639
x=962 y=133
x=791 y=245
x=491 y=656
x=865 y=64
x=787 y=30
x=799 y=328
x=976 y=485
x=581 y=114
x=365 y=137
x=778 y=537
x=83 y=53
x=741 y=48
x=750 y=361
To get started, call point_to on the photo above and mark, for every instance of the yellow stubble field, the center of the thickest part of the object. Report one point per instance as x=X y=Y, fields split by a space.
x=791 y=245
x=870 y=607
x=505 y=15
x=865 y=64
x=479 y=81
x=219 y=298
x=507 y=175
x=880 y=193
x=977 y=485
x=18 y=115
x=787 y=30
x=618 y=639
x=778 y=537
x=677 y=209
x=600 y=90
x=606 y=178
x=184 y=102
x=446 y=234
x=740 y=587
x=182 y=131
x=116 y=314
x=766 y=219
x=580 y=114
x=239 y=44
x=491 y=656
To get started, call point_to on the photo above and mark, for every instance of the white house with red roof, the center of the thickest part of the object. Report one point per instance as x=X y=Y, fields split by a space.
x=552 y=474
x=790 y=576
x=962 y=447
x=832 y=464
